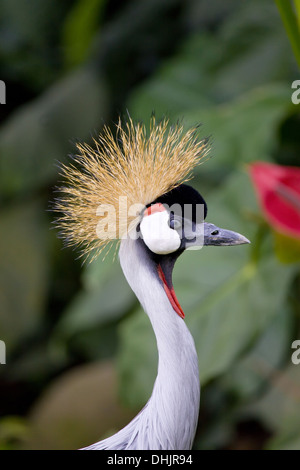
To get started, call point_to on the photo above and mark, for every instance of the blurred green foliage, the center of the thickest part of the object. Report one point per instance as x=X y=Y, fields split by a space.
x=70 y=67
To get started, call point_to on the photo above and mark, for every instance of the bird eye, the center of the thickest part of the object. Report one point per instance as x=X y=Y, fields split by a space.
x=215 y=232
x=175 y=224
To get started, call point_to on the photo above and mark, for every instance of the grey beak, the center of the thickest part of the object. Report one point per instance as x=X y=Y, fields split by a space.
x=216 y=236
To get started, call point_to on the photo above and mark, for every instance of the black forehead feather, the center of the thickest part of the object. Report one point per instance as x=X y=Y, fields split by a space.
x=183 y=194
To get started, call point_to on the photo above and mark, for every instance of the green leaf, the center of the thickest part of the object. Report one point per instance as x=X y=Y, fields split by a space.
x=226 y=400
x=24 y=271
x=287 y=249
x=106 y=297
x=38 y=135
x=288 y=437
x=291 y=25
x=246 y=52
x=137 y=359
x=278 y=408
x=297 y=7
x=30 y=55
x=237 y=139
x=80 y=28
x=251 y=373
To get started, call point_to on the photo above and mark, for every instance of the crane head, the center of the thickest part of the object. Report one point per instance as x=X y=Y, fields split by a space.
x=175 y=222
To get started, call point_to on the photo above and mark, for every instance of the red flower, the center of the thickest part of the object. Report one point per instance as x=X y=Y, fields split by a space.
x=278 y=190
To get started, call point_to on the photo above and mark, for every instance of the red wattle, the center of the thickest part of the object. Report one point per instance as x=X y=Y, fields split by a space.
x=170 y=293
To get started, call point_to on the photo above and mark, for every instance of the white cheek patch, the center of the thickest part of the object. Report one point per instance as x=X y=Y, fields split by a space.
x=157 y=234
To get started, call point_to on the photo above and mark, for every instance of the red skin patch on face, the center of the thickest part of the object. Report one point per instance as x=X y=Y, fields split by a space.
x=170 y=293
x=158 y=207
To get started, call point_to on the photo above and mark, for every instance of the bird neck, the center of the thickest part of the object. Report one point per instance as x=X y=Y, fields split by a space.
x=176 y=392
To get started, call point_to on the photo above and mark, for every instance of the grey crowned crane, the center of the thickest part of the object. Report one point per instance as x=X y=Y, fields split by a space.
x=132 y=187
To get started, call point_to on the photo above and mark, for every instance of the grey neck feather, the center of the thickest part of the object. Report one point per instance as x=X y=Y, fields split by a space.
x=169 y=419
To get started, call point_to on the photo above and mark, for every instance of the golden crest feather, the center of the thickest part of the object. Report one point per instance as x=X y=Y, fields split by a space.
x=130 y=166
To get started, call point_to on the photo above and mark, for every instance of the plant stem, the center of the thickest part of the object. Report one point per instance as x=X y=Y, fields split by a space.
x=291 y=24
